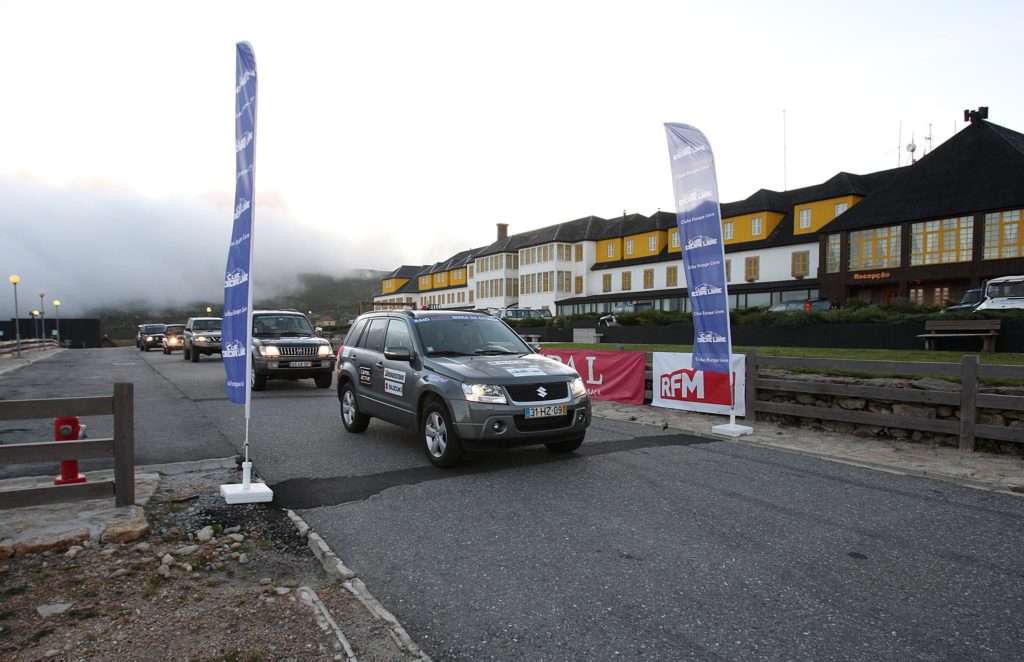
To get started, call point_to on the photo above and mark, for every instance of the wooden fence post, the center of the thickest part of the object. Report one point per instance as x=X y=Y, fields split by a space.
x=124 y=444
x=750 y=384
x=968 y=401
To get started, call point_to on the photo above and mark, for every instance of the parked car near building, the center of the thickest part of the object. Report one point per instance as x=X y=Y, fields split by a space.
x=623 y=309
x=463 y=380
x=173 y=335
x=968 y=302
x=802 y=305
x=1006 y=293
x=150 y=335
x=285 y=346
x=202 y=336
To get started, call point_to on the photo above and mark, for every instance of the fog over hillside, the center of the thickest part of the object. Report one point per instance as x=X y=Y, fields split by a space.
x=95 y=245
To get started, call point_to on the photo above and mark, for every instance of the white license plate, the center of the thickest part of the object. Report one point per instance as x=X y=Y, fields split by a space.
x=545 y=410
x=301 y=364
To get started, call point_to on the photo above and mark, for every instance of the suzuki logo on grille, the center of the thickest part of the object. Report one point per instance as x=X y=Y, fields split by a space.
x=542 y=391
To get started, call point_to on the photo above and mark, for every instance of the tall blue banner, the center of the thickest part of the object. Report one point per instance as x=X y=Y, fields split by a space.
x=699 y=218
x=237 y=292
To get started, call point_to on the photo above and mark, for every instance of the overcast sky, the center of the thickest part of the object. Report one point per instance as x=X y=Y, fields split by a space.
x=401 y=132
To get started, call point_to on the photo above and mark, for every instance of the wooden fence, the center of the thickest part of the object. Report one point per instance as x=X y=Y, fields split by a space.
x=967 y=398
x=121 y=446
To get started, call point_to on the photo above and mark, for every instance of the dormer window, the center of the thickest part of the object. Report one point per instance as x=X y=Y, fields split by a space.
x=755 y=226
x=841 y=207
x=727 y=231
x=805 y=219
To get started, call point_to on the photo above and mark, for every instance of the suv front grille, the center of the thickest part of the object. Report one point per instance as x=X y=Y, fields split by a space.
x=302 y=350
x=540 y=392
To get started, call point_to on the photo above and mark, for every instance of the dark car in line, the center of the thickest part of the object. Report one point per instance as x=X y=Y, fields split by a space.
x=285 y=346
x=174 y=337
x=150 y=335
x=463 y=381
x=802 y=306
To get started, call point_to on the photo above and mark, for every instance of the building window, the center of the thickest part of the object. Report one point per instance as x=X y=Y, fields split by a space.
x=801 y=262
x=471 y=271
x=755 y=226
x=877 y=248
x=675 y=238
x=728 y=270
x=629 y=247
x=832 y=248
x=579 y=284
x=648 y=279
x=751 y=267
x=841 y=207
x=942 y=242
x=611 y=249
x=672 y=277
x=606 y=283
x=1003 y=237
x=579 y=252
x=727 y=231
x=627 y=280
x=652 y=243
x=805 y=219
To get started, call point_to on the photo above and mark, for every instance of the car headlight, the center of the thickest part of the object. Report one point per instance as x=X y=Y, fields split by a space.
x=201 y=339
x=491 y=393
x=577 y=388
x=149 y=338
x=324 y=350
x=270 y=350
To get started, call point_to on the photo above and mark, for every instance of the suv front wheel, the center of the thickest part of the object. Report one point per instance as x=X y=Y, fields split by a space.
x=350 y=416
x=440 y=438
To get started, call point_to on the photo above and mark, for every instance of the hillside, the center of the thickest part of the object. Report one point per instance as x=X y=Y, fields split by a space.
x=325 y=296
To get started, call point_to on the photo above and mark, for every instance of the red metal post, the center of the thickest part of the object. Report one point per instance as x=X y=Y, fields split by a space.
x=67 y=428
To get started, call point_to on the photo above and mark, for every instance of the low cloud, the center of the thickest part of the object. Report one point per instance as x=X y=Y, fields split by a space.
x=97 y=245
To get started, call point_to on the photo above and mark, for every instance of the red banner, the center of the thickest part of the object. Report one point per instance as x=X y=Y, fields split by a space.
x=617 y=376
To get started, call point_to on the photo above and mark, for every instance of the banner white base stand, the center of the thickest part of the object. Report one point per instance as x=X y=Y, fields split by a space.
x=732 y=430
x=247 y=491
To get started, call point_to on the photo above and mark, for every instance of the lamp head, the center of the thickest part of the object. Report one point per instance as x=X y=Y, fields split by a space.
x=41 y=294
x=35 y=313
x=56 y=302
x=15 y=279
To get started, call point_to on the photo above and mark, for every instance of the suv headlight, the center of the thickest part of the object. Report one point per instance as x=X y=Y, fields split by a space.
x=270 y=350
x=491 y=393
x=324 y=350
x=577 y=388
x=202 y=339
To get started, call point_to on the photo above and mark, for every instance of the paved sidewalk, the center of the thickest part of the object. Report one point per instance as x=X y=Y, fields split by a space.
x=1000 y=473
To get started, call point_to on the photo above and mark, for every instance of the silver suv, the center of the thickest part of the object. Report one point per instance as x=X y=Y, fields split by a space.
x=201 y=336
x=462 y=380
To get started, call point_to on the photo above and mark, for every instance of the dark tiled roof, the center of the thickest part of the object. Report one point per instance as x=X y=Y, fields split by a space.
x=977 y=170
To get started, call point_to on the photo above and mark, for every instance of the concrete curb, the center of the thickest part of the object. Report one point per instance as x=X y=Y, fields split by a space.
x=337 y=569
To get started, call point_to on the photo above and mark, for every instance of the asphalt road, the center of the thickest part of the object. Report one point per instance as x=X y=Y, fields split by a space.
x=644 y=545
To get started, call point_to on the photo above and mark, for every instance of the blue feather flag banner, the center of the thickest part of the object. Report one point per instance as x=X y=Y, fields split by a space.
x=236 y=323
x=699 y=218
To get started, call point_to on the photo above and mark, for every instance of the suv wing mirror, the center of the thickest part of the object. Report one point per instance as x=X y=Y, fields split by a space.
x=398 y=354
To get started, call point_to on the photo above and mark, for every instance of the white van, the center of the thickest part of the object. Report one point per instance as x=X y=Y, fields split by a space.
x=1006 y=293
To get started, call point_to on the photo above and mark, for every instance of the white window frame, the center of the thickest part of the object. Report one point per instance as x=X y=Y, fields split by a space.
x=727 y=231
x=805 y=218
x=755 y=226
x=652 y=243
x=841 y=207
x=629 y=247
x=611 y=249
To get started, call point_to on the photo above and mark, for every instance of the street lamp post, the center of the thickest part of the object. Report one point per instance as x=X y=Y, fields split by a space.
x=35 y=323
x=42 y=316
x=56 y=307
x=14 y=279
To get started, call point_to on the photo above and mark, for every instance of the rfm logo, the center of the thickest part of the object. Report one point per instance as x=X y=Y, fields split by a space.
x=677 y=385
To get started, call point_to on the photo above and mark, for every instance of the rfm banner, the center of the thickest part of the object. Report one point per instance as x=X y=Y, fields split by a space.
x=700 y=234
x=617 y=376
x=678 y=384
x=237 y=293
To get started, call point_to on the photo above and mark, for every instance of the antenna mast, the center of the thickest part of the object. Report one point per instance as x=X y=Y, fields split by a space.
x=784 y=173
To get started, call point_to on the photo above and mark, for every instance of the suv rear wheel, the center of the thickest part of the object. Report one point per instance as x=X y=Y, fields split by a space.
x=441 y=441
x=350 y=416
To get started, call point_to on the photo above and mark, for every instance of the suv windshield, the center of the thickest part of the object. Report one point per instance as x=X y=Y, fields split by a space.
x=153 y=328
x=468 y=334
x=1003 y=290
x=206 y=325
x=275 y=326
x=174 y=329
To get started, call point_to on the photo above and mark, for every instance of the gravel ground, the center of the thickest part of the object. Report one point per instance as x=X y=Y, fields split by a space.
x=253 y=591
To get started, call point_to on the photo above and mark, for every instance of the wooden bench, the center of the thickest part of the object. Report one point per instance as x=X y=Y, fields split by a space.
x=987 y=330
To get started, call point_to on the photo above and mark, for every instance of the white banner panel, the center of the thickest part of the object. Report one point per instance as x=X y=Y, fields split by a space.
x=677 y=385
